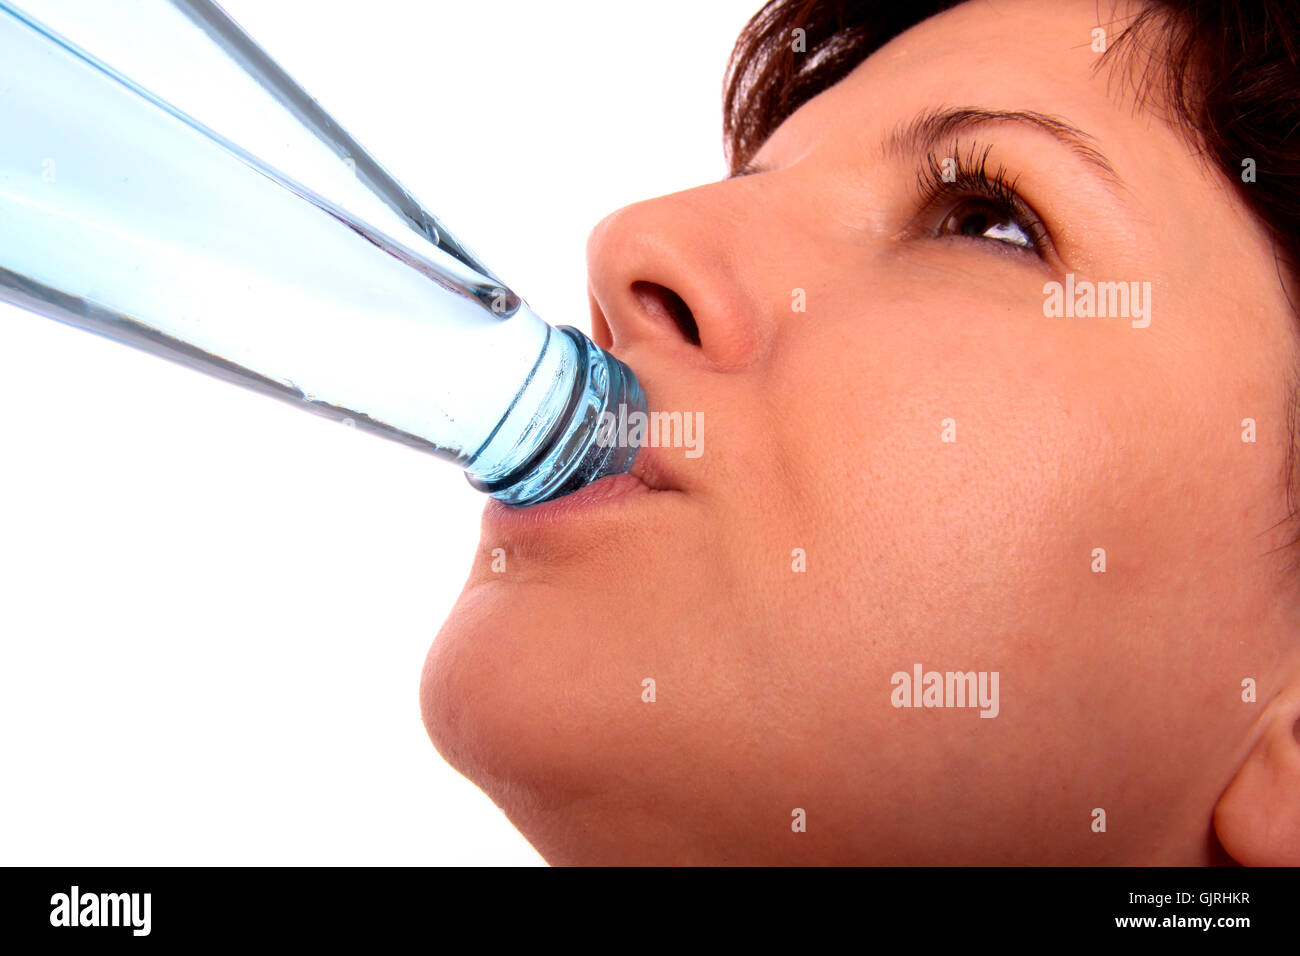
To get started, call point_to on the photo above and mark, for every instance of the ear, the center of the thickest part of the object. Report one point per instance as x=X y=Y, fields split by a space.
x=1257 y=819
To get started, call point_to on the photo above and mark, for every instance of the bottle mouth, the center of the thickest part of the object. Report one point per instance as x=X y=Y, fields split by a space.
x=579 y=447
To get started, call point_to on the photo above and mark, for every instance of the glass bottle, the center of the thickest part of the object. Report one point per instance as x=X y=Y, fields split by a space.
x=187 y=197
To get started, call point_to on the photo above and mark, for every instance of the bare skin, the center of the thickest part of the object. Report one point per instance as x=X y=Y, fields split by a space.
x=824 y=431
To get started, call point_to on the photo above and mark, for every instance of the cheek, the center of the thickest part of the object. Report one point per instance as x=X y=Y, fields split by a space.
x=932 y=455
x=959 y=495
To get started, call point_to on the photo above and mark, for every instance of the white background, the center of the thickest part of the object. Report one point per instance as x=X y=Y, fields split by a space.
x=214 y=608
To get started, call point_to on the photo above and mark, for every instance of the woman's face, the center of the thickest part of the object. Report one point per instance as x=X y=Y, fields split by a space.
x=917 y=467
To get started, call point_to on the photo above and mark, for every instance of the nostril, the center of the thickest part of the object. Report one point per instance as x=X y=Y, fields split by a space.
x=664 y=302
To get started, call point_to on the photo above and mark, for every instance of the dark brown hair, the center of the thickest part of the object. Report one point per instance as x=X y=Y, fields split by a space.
x=1226 y=74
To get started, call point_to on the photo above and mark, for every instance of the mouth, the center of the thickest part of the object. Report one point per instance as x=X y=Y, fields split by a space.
x=649 y=468
x=647 y=478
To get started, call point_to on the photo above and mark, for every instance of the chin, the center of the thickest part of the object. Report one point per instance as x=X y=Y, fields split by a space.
x=520 y=694
x=533 y=690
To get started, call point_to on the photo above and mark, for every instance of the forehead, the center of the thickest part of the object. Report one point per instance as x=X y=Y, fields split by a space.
x=1039 y=55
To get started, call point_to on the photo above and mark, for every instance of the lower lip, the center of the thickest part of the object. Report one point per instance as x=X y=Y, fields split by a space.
x=597 y=495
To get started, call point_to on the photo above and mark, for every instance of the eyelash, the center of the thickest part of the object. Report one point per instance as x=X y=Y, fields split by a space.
x=971 y=179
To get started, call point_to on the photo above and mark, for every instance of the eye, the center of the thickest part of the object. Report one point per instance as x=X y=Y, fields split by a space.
x=983 y=219
x=962 y=197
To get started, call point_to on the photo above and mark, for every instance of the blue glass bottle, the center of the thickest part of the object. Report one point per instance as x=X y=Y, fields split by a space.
x=195 y=202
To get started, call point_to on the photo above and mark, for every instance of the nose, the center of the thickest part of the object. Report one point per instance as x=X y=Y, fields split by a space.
x=669 y=274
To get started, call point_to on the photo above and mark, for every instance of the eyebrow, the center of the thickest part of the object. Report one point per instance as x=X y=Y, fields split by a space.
x=927 y=129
